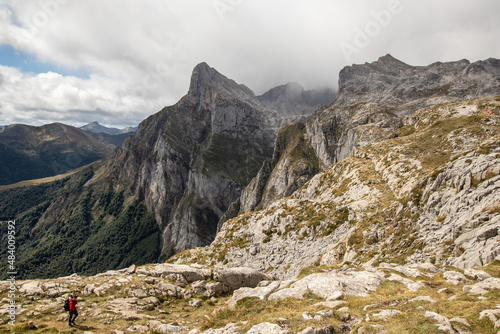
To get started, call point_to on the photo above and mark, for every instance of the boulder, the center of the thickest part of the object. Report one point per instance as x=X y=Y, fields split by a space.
x=489 y=284
x=260 y=292
x=455 y=277
x=168 y=289
x=444 y=323
x=195 y=303
x=139 y=293
x=130 y=270
x=239 y=277
x=229 y=329
x=167 y=328
x=386 y=314
x=31 y=288
x=267 y=328
x=102 y=289
x=325 y=285
x=477 y=274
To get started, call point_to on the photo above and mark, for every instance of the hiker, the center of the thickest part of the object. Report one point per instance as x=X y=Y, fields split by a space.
x=73 y=312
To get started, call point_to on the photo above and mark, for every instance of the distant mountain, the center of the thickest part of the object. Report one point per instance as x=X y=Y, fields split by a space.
x=31 y=152
x=292 y=99
x=95 y=127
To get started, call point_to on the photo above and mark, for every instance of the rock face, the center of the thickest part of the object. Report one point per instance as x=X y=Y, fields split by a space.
x=191 y=161
x=373 y=98
x=370 y=106
x=219 y=154
x=292 y=165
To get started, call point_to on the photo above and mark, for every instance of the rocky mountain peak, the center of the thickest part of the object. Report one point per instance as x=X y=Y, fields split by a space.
x=390 y=60
x=398 y=83
x=207 y=81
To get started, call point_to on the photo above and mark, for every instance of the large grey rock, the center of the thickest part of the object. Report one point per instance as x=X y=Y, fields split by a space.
x=168 y=289
x=231 y=328
x=325 y=285
x=167 y=328
x=444 y=323
x=489 y=284
x=239 y=277
x=387 y=314
x=260 y=292
x=267 y=328
x=31 y=288
x=366 y=93
x=477 y=274
x=454 y=277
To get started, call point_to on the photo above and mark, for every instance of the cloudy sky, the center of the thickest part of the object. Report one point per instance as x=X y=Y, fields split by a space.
x=118 y=61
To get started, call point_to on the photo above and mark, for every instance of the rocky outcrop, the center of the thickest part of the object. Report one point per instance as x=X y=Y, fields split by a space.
x=373 y=98
x=370 y=107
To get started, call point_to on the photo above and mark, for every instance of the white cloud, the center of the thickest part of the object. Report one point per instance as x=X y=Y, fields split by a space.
x=140 y=54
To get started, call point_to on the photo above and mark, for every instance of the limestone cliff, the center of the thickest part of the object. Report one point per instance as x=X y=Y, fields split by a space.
x=372 y=99
x=191 y=160
x=370 y=106
x=292 y=99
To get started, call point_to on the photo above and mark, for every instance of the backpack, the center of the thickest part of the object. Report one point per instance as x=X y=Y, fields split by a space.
x=66 y=305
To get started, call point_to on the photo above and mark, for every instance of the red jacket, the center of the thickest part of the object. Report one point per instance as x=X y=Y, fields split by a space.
x=72 y=305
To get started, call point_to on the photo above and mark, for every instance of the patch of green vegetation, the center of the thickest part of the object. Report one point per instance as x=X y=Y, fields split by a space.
x=269 y=234
x=441 y=218
x=291 y=142
x=405 y=130
x=92 y=232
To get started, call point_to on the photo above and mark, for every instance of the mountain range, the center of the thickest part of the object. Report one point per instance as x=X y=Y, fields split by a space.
x=95 y=127
x=220 y=153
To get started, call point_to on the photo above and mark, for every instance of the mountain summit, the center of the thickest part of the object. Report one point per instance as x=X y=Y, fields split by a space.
x=207 y=81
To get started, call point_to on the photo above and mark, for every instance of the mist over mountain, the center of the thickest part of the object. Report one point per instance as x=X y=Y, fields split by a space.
x=292 y=99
